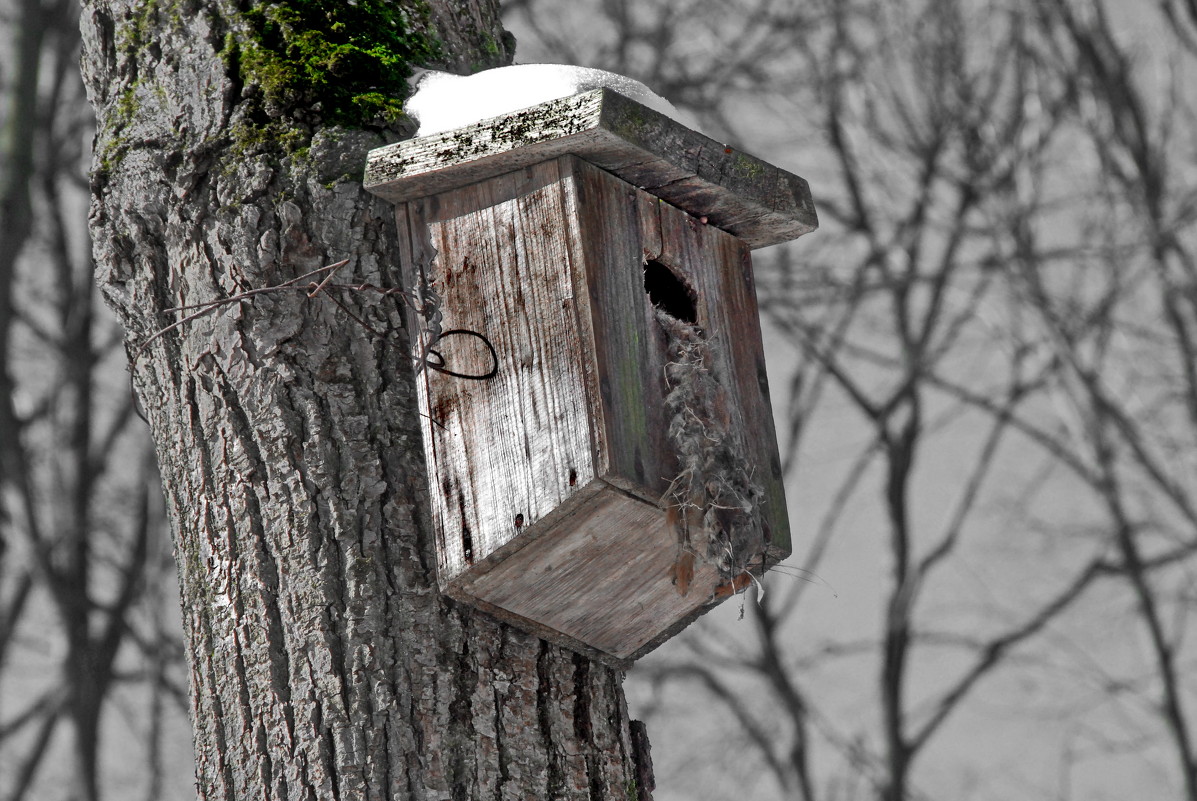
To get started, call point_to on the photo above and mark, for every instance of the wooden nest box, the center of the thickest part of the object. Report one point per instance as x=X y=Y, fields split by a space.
x=618 y=474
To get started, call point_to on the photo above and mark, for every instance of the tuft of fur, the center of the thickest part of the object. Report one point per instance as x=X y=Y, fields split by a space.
x=714 y=503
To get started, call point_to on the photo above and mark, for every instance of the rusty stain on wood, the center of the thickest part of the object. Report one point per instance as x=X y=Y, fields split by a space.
x=683 y=571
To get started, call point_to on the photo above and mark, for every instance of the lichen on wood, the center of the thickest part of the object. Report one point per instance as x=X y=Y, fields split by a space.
x=757 y=202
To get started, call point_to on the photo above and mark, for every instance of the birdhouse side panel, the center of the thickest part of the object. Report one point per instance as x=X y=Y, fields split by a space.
x=681 y=367
x=718 y=266
x=506 y=451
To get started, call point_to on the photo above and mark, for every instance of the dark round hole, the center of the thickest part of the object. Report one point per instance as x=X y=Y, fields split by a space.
x=467 y=546
x=519 y=521
x=669 y=293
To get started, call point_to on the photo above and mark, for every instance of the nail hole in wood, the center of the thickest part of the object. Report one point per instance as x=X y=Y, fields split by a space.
x=467 y=546
x=669 y=293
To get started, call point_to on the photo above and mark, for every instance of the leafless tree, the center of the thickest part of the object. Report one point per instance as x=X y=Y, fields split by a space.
x=79 y=506
x=1124 y=328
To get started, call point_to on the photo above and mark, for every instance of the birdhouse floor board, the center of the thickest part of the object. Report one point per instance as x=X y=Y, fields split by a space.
x=599 y=577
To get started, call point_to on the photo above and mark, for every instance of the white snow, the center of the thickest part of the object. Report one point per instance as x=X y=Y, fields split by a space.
x=444 y=101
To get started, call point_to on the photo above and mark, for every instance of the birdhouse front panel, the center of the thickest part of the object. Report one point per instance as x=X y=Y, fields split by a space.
x=561 y=486
x=507 y=451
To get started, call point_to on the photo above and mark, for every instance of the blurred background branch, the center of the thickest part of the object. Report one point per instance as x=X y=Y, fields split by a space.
x=984 y=371
x=86 y=588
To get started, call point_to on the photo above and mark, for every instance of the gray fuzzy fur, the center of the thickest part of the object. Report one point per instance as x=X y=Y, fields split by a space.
x=717 y=500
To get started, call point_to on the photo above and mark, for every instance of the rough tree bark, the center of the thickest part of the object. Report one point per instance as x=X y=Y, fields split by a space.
x=324 y=663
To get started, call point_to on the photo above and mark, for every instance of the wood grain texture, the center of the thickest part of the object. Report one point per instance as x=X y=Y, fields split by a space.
x=507 y=451
x=547 y=481
x=629 y=361
x=603 y=580
x=756 y=201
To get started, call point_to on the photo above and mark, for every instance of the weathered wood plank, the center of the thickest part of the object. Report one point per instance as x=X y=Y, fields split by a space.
x=506 y=451
x=756 y=201
x=628 y=359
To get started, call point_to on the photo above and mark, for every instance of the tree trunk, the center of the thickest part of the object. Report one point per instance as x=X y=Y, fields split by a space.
x=324 y=663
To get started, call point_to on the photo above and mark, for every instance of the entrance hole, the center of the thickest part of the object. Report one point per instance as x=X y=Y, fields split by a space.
x=669 y=293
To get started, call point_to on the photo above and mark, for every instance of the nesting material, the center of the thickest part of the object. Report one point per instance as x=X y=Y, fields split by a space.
x=713 y=503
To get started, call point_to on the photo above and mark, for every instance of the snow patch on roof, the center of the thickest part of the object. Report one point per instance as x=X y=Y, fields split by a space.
x=444 y=101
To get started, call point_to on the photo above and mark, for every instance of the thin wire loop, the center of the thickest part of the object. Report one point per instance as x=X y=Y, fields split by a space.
x=440 y=368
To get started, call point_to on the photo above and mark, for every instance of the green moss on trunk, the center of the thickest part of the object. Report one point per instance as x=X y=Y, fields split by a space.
x=296 y=67
x=335 y=61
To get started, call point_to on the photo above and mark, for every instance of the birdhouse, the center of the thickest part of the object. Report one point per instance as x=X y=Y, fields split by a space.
x=602 y=463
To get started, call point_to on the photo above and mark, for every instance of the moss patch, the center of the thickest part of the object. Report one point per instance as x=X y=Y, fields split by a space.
x=334 y=61
x=295 y=67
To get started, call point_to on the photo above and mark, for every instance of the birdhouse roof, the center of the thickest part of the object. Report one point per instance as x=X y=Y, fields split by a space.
x=752 y=199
